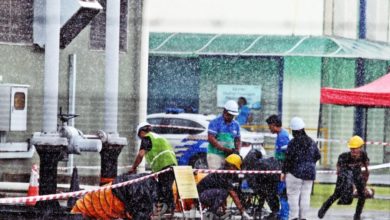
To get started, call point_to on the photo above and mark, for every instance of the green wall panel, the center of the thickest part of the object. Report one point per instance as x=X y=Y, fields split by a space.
x=301 y=90
x=217 y=70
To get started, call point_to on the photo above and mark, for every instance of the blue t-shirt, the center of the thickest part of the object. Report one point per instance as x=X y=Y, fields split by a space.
x=224 y=132
x=243 y=115
x=281 y=143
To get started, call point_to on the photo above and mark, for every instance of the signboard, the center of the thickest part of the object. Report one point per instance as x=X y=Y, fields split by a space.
x=252 y=93
x=185 y=182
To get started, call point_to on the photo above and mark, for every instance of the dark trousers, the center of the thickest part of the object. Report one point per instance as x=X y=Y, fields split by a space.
x=360 y=185
x=164 y=190
x=213 y=198
x=271 y=196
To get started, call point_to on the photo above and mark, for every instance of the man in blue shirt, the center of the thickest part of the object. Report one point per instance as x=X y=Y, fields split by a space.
x=275 y=126
x=224 y=136
x=282 y=139
x=245 y=115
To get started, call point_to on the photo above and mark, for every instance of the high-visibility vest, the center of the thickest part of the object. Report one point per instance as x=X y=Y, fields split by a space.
x=161 y=155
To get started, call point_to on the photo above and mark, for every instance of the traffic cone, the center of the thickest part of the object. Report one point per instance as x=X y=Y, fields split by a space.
x=74 y=186
x=33 y=188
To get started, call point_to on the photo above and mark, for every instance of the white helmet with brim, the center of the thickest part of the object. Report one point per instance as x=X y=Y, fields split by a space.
x=231 y=107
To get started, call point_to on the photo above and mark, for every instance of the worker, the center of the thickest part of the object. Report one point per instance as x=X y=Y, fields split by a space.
x=349 y=170
x=214 y=188
x=223 y=136
x=245 y=115
x=299 y=169
x=160 y=155
x=275 y=126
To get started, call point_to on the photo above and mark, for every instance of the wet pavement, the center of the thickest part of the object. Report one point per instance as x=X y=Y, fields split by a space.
x=332 y=214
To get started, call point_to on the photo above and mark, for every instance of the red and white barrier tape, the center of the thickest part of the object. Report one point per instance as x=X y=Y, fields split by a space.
x=251 y=171
x=90 y=167
x=380 y=143
x=83 y=192
x=345 y=141
x=76 y=193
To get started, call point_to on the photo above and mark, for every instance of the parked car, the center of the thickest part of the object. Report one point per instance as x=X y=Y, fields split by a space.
x=187 y=132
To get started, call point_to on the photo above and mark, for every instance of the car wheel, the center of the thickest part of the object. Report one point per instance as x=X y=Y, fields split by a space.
x=199 y=161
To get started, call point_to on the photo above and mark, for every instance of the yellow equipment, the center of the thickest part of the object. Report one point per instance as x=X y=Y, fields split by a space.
x=101 y=205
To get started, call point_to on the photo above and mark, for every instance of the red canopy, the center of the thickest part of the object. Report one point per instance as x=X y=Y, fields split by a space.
x=374 y=94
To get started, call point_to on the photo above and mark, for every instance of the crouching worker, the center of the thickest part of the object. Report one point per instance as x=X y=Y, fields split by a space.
x=216 y=187
x=264 y=185
x=160 y=155
x=134 y=201
x=349 y=172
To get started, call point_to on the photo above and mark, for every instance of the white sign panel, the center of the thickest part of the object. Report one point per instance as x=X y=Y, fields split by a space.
x=252 y=93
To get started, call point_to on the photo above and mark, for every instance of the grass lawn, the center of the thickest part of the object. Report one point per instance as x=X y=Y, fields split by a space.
x=323 y=191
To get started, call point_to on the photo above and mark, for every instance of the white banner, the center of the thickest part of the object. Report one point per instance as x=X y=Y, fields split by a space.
x=252 y=93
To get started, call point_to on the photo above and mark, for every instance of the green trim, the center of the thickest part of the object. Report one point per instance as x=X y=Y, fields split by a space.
x=194 y=45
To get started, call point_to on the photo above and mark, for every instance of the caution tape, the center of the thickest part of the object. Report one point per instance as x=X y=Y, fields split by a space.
x=375 y=167
x=83 y=192
x=251 y=171
x=76 y=193
x=345 y=141
x=380 y=143
x=89 y=167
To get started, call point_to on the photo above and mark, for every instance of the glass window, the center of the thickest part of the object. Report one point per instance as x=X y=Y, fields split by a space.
x=160 y=125
x=185 y=126
x=19 y=100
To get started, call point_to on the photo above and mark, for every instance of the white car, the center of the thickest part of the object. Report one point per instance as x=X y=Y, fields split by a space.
x=187 y=132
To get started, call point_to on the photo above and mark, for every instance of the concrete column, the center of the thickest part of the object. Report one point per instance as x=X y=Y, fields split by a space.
x=50 y=87
x=112 y=66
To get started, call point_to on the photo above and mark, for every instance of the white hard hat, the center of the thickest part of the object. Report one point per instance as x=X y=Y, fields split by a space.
x=297 y=124
x=141 y=125
x=231 y=107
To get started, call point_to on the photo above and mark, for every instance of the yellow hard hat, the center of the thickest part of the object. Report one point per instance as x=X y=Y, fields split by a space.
x=235 y=160
x=355 y=142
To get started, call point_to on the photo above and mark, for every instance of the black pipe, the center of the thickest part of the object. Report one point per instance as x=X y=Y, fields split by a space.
x=109 y=162
x=49 y=158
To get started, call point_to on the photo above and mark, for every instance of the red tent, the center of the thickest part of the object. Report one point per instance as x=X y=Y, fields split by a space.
x=374 y=94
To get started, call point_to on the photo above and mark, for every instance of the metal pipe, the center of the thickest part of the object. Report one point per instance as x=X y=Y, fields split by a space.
x=72 y=98
x=143 y=75
x=112 y=66
x=52 y=52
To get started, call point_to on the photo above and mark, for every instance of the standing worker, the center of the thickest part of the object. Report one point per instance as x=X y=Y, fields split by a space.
x=244 y=112
x=216 y=187
x=299 y=169
x=160 y=155
x=350 y=162
x=223 y=136
x=275 y=126
x=282 y=139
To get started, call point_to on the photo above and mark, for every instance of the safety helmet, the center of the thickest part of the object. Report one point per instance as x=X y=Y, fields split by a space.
x=355 y=142
x=231 y=107
x=141 y=125
x=297 y=124
x=234 y=159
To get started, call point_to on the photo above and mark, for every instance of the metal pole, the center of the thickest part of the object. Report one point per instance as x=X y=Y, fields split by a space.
x=365 y=126
x=52 y=52
x=143 y=75
x=72 y=98
x=112 y=66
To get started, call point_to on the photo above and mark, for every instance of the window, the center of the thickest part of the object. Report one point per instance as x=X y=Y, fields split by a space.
x=159 y=125
x=185 y=126
x=19 y=101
